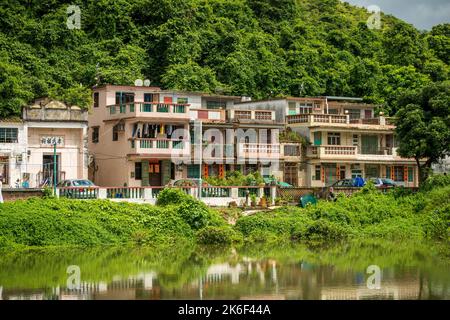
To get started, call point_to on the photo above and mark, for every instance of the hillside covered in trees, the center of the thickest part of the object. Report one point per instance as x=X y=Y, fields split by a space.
x=258 y=48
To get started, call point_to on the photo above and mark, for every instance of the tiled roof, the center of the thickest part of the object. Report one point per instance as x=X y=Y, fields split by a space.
x=11 y=119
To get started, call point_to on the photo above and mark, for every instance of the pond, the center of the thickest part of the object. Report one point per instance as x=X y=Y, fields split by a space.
x=352 y=270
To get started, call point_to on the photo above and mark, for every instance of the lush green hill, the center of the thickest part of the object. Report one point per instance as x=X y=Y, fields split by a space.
x=259 y=48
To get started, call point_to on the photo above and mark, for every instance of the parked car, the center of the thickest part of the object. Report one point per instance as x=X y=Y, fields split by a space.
x=329 y=191
x=189 y=182
x=77 y=188
x=384 y=183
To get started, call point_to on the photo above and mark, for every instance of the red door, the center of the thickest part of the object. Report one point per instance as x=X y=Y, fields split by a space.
x=167 y=99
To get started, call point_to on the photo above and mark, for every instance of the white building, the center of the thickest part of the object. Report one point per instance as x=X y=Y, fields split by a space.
x=27 y=145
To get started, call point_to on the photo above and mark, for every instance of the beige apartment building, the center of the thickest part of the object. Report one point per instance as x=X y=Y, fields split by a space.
x=139 y=136
x=145 y=136
x=347 y=138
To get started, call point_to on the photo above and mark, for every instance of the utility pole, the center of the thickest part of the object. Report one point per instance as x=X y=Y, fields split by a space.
x=200 y=165
x=54 y=169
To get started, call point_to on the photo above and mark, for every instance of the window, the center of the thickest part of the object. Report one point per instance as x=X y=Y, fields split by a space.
x=138 y=170
x=342 y=172
x=95 y=134
x=96 y=99
x=115 y=136
x=8 y=135
x=291 y=173
x=216 y=105
x=355 y=140
x=124 y=97
x=410 y=174
x=306 y=108
x=356 y=171
x=291 y=150
x=317 y=175
x=292 y=108
x=193 y=171
x=182 y=100
x=399 y=173
x=333 y=111
x=334 y=139
x=354 y=114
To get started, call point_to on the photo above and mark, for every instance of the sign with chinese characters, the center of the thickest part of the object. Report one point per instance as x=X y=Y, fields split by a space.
x=51 y=140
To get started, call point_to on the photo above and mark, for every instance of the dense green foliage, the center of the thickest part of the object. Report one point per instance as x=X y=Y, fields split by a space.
x=260 y=48
x=236 y=178
x=367 y=214
x=423 y=125
x=50 y=222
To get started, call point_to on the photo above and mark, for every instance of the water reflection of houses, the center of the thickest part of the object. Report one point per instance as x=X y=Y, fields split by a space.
x=247 y=279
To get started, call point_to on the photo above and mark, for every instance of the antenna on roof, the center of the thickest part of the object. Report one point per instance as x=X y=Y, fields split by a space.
x=138 y=82
x=147 y=82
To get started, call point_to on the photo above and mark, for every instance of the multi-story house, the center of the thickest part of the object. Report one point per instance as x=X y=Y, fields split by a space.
x=241 y=140
x=346 y=137
x=13 y=149
x=139 y=136
x=27 y=145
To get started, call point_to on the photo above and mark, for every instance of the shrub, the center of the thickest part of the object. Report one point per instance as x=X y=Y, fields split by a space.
x=321 y=230
x=195 y=213
x=436 y=181
x=218 y=235
x=172 y=196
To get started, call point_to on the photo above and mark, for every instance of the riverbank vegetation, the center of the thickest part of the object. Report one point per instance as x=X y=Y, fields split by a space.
x=367 y=214
x=179 y=218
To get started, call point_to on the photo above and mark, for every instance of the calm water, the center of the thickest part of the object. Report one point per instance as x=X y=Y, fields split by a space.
x=408 y=271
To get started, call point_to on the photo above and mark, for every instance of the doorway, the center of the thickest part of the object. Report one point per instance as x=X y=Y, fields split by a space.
x=47 y=169
x=154 y=173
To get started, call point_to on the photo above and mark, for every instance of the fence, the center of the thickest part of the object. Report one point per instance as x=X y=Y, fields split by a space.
x=211 y=195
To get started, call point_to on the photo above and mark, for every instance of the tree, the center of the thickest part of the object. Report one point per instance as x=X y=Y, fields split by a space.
x=423 y=126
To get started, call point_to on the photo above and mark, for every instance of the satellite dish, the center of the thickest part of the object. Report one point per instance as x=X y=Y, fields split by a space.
x=147 y=83
x=138 y=82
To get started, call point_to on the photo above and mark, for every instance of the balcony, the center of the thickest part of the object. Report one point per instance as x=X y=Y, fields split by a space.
x=252 y=116
x=352 y=153
x=161 y=111
x=208 y=115
x=161 y=148
x=342 y=121
x=256 y=151
x=291 y=151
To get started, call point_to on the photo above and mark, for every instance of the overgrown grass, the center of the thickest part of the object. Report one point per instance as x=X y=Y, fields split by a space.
x=366 y=214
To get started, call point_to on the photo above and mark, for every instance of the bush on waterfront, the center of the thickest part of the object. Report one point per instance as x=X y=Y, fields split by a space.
x=170 y=196
x=218 y=235
x=368 y=213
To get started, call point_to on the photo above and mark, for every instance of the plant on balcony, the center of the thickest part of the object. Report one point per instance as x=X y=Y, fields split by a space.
x=253 y=200
x=288 y=135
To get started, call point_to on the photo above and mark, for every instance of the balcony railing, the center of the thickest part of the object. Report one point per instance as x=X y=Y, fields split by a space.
x=348 y=151
x=317 y=119
x=146 y=108
x=252 y=115
x=160 y=146
x=208 y=115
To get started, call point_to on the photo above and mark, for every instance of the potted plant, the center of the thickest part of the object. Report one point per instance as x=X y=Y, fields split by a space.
x=253 y=200
x=277 y=201
x=263 y=202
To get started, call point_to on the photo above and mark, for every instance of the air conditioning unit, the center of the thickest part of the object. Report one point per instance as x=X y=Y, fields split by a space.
x=19 y=158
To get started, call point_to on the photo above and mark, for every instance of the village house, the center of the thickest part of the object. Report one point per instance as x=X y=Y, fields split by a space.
x=27 y=145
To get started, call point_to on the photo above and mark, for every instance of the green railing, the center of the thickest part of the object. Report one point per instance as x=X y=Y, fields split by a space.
x=162 y=144
x=242 y=192
x=179 y=109
x=79 y=193
x=146 y=107
x=146 y=144
x=216 y=192
x=132 y=107
x=123 y=108
x=162 y=108
x=125 y=193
